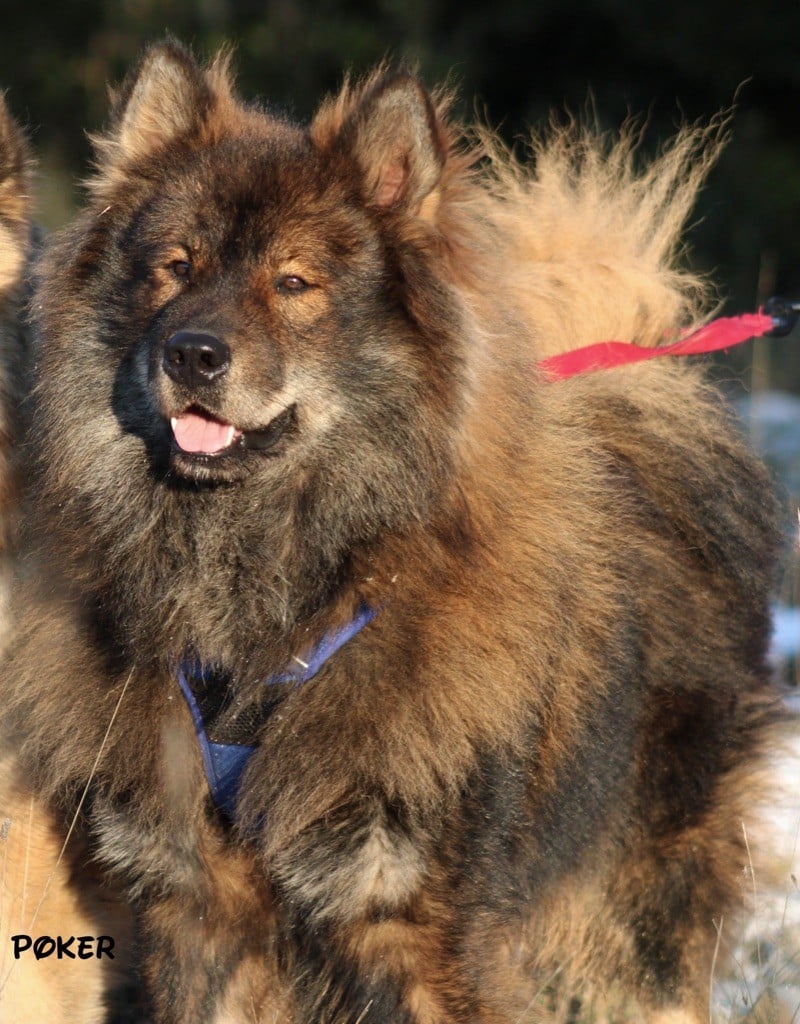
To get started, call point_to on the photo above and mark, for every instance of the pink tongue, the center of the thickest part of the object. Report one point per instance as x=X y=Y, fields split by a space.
x=201 y=435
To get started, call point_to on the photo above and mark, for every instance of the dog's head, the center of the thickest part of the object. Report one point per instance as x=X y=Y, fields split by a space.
x=252 y=330
x=264 y=292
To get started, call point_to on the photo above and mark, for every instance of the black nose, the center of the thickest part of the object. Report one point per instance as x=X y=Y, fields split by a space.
x=193 y=359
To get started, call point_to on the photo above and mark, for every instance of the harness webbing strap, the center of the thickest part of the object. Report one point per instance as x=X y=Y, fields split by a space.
x=225 y=762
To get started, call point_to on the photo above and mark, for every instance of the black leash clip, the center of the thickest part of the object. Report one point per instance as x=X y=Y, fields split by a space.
x=784 y=313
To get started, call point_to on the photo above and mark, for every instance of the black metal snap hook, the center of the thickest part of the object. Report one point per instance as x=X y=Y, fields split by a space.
x=784 y=313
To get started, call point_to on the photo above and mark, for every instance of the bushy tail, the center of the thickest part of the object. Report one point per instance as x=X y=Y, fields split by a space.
x=593 y=234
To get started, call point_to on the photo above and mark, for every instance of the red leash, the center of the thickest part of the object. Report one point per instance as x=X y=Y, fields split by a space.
x=777 y=319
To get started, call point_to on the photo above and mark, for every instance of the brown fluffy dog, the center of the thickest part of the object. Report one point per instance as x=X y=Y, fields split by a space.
x=37 y=868
x=288 y=388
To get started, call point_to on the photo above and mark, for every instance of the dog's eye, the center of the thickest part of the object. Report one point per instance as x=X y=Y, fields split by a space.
x=181 y=269
x=291 y=284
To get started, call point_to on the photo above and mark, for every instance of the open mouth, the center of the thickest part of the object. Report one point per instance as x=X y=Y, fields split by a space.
x=196 y=433
x=199 y=436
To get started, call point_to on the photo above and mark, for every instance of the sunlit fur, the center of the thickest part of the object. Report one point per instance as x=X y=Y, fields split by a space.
x=525 y=780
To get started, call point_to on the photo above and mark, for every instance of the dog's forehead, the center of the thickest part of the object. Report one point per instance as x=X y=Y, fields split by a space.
x=266 y=175
x=252 y=190
x=253 y=194
x=264 y=142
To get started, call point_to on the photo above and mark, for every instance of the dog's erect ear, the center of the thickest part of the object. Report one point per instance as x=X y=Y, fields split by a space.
x=8 y=133
x=14 y=167
x=168 y=96
x=392 y=131
x=15 y=200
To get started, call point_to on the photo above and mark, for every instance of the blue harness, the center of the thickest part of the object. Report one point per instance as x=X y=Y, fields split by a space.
x=222 y=734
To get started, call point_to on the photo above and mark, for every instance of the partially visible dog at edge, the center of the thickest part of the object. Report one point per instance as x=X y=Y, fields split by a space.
x=38 y=889
x=490 y=651
x=17 y=245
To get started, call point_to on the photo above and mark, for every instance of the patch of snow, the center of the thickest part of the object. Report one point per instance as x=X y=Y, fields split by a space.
x=785 y=632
